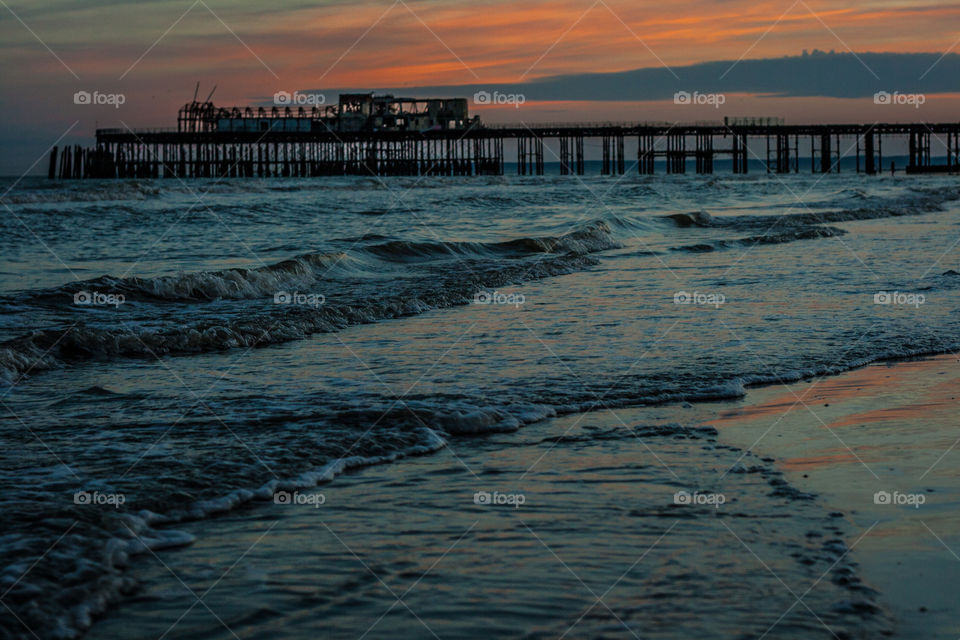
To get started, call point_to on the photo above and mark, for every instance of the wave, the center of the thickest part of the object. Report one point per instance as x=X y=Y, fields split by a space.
x=428 y=282
x=88 y=572
x=807 y=225
x=47 y=192
x=113 y=190
x=811 y=233
x=371 y=259
x=50 y=348
x=595 y=236
x=131 y=190
x=230 y=284
x=918 y=201
x=692 y=219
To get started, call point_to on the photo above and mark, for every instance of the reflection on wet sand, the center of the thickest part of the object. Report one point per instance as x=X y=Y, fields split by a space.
x=879 y=445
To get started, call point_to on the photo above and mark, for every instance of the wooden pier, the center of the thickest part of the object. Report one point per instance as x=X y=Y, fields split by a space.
x=286 y=142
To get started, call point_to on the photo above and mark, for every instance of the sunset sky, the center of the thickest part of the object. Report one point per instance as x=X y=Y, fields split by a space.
x=155 y=52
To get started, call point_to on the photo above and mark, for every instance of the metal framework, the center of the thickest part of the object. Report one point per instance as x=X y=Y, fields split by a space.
x=367 y=134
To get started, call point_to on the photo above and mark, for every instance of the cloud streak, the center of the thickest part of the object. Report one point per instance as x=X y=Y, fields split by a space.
x=831 y=75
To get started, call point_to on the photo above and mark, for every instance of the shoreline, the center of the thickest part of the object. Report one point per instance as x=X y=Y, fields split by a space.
x=164 y=531
x=739 y=422
x=875 y=443
x=809 y=462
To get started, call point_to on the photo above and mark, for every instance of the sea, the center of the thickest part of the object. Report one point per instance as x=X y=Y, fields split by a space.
x=440 y=407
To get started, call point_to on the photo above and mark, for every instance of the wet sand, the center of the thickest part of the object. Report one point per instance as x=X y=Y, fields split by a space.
x=889 y=428
x=594 y=545
x=598 y=547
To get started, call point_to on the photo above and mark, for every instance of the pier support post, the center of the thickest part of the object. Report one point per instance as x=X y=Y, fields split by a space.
x=676 y=153
x=530 y=156
x=578 y=151
x=605 y=166
x=618 y=148
x=704 y=153
x=858 y=153
x=825 y=154
x=538 y=154
x=613 y=162
x=912 y=150
x=769 y=167
x=646 y=153
x=53 y=163
x=949 y=152
x=740 y=151
x=783 y=153
x=571 y=155
x=869 y=161
x=521 y=156
x=919 y=150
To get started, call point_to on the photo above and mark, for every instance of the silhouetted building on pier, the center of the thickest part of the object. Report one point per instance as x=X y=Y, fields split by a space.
x=354 y=112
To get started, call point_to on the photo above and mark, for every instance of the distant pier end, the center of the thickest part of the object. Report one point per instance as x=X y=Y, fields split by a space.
x=369 y=134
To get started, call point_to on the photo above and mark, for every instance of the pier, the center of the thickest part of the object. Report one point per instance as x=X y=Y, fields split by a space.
x=364 y=134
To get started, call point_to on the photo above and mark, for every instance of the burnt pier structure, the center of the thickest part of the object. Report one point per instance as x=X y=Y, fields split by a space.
x=365 y=134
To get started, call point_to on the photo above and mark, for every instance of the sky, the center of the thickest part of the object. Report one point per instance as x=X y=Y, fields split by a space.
x=570 y=60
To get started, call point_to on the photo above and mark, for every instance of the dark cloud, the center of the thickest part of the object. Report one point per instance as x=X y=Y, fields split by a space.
x=818 y=74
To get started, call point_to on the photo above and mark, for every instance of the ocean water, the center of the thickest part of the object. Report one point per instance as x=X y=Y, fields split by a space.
x=174 y=354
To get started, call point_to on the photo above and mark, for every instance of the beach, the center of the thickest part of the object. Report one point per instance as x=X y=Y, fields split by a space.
x=596 y=545
x=541 y=417
x=879 y=445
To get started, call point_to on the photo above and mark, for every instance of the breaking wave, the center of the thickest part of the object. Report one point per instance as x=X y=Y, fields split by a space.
x=917 y=202
x=809 y=233
x=440 y=287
